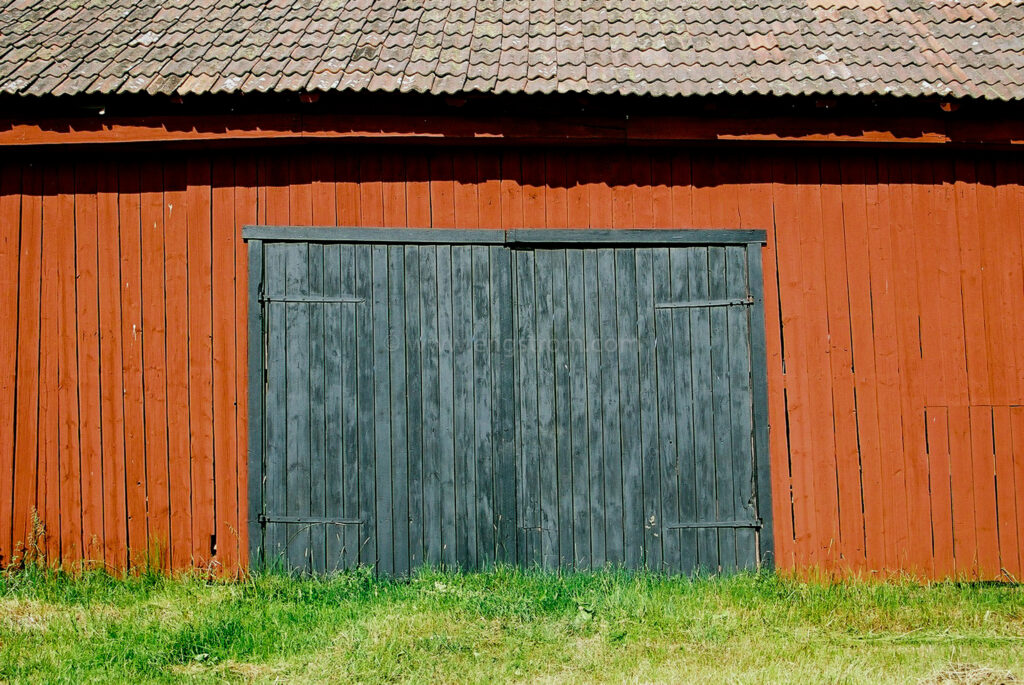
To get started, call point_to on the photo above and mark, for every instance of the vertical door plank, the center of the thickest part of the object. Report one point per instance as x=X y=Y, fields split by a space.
x=610 y=404
x=546 y=456
x=701 y=360
x=671 y=349
x=986 y=517
x=414 y=402
x=965 y=538
x=595 y=417
x=462 y=383
x=759 y=392
x=503 y=404
x=430 y=358
x=255 y=542
x=346 y=480
x=741 y=405
x=722 y=419
x=483 y=440
x=297 y=412
x=446 y=402
x=276 y=419
x=629 y=406
x=647 y=345
x=366 y=386
x=317 y=389
x=578 y=433
x=396 y=344
x=560 y=333
x=528 y=417
x=383 y=439
x=337 y=356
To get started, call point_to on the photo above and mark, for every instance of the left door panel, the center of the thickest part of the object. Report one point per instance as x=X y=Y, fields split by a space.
x=387 y=407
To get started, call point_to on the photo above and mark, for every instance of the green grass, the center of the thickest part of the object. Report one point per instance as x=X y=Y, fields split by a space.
x=505 y=625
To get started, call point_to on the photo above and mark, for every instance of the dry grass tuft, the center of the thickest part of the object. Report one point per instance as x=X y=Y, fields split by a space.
x=971 y=674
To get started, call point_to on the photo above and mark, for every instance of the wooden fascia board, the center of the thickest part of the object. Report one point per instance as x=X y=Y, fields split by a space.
x=638 y=130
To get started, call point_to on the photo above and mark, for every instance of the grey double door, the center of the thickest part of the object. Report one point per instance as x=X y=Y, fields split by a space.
x=462 y=404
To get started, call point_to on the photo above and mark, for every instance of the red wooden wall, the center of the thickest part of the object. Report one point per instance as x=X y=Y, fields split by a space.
x=895 y=287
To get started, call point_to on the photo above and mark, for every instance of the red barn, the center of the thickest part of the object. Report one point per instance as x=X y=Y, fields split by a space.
x=678 y=285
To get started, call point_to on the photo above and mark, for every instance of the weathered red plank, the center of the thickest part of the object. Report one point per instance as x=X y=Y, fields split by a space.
x=10 y=236
x=48 y=477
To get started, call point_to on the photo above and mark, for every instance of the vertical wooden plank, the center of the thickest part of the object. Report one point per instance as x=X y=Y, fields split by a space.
x=563 y=429
x=396 y=345
x=578 y=399
x=595 y=416
x=534 y=186
x=489 y=188
x=351 y=475
x=650 y=474
x=417 y=190
x=442 y=190
x=47 y=479
x=63 y=221
x=446 y=402
x=467 y=206
x=224 y=229
x=414 y=402
x=610 y=404
x=741 y=404
x=255 y=471
x=937 y=419
x=346 y=188
x=1017 y=438
x=154 y=362
x=671 y=357
x=577 y=195
x=840 y=356
x=484 y=423
x=87 y=315
x=643 y=195
x=1005 y=492
x=986 y=517
x=383 y=439
x=511 y=189
x=371 y=190
x=965 y=537
x=721 y=397
x=297 y=405
x=10 y=248
x=528 y=480
x=546 y=457
x=200 y=355
x=336 y=410
x=556 y=208
x=317 y=383
x=661 y=191
x=622 y=187
x=682 y=191
x=911 y=365
x=627 y=325
x=275 y=447
x=767 y=542
x=366 y=385
x=503 y=403
x=431 y=401
x=133 y=397
x=393 y=188
x=701 y=356
x=247 y=210
x=854 y=195
x=973 y=292
x=111 y=388
x=462 y=384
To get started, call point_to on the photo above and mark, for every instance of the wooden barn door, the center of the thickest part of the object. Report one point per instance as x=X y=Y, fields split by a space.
x=636 y=407
x=507 y=398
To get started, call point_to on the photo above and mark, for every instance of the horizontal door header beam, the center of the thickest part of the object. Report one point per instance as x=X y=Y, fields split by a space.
x=525 y=237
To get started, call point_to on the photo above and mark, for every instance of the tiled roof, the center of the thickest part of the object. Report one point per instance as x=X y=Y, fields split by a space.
x=955 y=48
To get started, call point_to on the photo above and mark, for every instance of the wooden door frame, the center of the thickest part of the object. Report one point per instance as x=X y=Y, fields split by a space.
x=256 y=235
